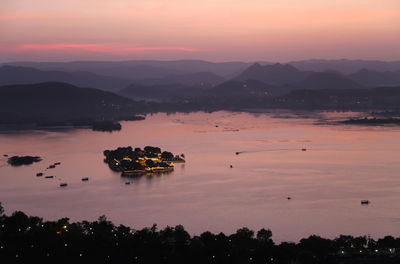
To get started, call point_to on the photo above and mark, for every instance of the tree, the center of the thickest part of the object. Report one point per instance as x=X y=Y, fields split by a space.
x=151 y=149
x=150 y=163
x=167 y=155
x=264 y=235
x=244 y=233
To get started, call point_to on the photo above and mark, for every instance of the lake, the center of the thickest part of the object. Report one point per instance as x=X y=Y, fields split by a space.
x=342 y=166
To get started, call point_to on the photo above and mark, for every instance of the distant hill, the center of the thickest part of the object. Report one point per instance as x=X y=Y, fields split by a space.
x=346 y=66
x=375 y=78
x=383 y=98
x=141 y=69
x=23 y=75
x=151 y=69
x=199 y=79
x=160 y=93
x=275 y=74
x=327 y=80
x=239 y=89
x=289 y=78
x=60 y=101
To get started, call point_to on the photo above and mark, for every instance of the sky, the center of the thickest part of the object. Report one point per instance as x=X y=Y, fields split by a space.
x=215 y=30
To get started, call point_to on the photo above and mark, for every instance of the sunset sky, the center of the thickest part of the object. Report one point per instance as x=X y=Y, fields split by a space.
x=216 y=30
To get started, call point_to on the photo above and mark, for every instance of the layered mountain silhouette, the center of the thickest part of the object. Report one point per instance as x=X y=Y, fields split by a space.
x=142 y=69
x=346 y=66
x=249 y=88
x=285 y=78
x=61 y=101
x=275 y=74
x=24 y=75
x=371 y=78
x=161 y=92
x=327 y=80
x=205 y=79
x=385 y=98
x=192 y=84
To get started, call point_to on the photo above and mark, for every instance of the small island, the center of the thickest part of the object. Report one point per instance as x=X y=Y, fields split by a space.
x=106 y=126
x=23 y=160
x=373 y=121
x=136 y=162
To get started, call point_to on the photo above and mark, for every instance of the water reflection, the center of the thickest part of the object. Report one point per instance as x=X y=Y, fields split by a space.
x=148 y=177
x=342 y=166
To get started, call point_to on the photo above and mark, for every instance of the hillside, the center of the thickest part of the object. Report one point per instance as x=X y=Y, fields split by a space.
x=275 y=74
x=60 y=102
x=371 y=78
x=327 y=80
x=161 y=92
x=142 y=69
x=200 y=79
x=10 y=75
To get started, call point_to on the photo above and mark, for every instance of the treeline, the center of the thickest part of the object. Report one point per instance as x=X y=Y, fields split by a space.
x=27 y=239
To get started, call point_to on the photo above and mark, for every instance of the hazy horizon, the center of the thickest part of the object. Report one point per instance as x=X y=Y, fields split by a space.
x=222 y=30
x=191 y=59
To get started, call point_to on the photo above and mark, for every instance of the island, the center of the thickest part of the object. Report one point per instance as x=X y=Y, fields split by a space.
x=135 y=161
x=373 y=121
x=106 y=126
x=23 y=160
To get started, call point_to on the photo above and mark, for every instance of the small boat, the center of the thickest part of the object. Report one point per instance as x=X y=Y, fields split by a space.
x=289 y=198
x=39 y=174
x=52 y=166
x=57 y=163
x=237 y=153
x=303 y=149
x=63 y=184
x=127 y=183
x=231 y=166
x=85 y=179
x=365 y=202
x=49 y=177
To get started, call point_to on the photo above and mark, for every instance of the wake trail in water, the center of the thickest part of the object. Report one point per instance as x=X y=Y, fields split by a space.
x=270 y=150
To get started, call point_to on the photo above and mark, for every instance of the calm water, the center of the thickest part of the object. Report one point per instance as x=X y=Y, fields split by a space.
x=342 y=165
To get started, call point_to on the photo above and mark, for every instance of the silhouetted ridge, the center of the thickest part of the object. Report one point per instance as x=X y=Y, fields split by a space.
x=327 y=80
x=61 y=101
x=371 y=78
x=237 y=89
x=10 y=75
x=197 y=79
x=277 y=74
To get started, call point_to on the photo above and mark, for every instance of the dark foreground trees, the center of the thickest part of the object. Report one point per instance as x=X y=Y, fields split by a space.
x=25 y=239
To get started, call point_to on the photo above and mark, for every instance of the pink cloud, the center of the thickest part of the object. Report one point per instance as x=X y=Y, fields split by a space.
x=25 y=15
x=112 y=48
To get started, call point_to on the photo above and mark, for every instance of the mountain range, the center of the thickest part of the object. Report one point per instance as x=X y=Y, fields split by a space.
x=60 y=101
x=192 y=84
